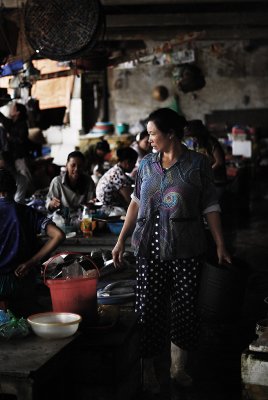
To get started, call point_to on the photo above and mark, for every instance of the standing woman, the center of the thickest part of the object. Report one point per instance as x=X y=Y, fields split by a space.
x=18 y=139
x=174 y=190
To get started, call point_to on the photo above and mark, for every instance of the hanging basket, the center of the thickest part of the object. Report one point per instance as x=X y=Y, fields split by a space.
x=192 y=78
x=59 y=29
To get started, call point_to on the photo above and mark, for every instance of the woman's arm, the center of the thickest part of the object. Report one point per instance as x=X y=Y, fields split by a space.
x=53 y=201
x=126 y=231
x=126 y=192
x=219 y=158
x=214 y=222
x=56 y=236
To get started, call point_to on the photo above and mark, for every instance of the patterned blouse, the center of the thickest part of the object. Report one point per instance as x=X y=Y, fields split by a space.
x=110 y=183
x=180 y=195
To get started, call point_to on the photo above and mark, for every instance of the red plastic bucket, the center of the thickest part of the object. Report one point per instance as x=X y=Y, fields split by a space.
x=77 y=295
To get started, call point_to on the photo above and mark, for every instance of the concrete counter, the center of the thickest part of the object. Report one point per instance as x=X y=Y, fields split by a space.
x=95 y=363
x=103 y=240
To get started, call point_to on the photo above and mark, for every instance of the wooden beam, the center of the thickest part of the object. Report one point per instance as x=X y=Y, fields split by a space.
x=163 y=34
x=19 y=3
x=180 y=20
x=152 y=2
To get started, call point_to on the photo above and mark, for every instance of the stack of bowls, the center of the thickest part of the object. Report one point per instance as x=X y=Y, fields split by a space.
x=103 y=128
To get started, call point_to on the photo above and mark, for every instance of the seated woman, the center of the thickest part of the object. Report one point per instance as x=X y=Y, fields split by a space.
x=96 y=156
x=20 y=250
x=198 y=138
x=115 y=187
x=142 y=147
x=73 y=188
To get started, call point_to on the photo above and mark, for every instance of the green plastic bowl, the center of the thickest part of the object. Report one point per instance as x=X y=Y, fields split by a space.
x=122 y=128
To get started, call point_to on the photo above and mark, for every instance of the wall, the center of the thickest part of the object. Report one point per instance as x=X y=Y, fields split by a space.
x=236 y=78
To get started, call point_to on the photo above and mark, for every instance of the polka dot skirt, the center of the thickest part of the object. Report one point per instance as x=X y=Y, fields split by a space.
x=166 y=300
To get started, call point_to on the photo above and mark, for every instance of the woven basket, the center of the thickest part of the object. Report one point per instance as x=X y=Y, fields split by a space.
x=59 y=29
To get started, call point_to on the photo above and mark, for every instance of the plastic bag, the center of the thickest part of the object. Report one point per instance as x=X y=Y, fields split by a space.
x=11 y=326
x=69 y=265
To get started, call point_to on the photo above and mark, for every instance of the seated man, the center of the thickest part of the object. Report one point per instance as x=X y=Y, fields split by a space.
x=115 y=187
x=72 y=189
x=20 y=251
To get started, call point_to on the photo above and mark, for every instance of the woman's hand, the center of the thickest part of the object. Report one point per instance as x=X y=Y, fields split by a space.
x=56 y=236
x=54 y=203
x=23 y=269
x=117 y=254
x=214 y=222
x=223 y=255
x=128 y=227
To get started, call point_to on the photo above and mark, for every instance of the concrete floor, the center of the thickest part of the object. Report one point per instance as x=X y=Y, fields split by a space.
x=216 y=366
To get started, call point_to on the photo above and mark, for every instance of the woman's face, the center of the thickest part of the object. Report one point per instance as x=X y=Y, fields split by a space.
x=144 y=143
x=158 y=140
x=75 y=167
x=13 y=112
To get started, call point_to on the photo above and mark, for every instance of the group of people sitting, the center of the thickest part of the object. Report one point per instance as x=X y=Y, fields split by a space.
x=90 y=175
x=83 y=170
x=76 y=186
x=114 y=184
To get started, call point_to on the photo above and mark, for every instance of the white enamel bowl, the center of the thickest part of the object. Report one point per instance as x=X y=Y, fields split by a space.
x=54 y=325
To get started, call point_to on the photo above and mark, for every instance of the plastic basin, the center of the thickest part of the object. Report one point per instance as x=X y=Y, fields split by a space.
x=54 y=325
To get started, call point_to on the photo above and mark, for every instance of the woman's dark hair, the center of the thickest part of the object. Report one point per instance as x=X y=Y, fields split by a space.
x=104 y=146
x=126 y=153
x=7 y=182
x=76 y=154
x=142 y=135
x=22 y=110
x=197 y=129
x=167 y=121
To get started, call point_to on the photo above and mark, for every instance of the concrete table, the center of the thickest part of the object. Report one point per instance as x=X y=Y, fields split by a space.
x=21 y=361
x=97 y=362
